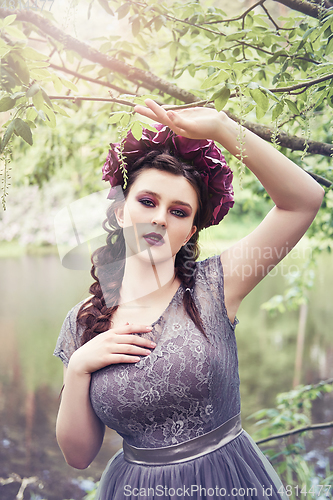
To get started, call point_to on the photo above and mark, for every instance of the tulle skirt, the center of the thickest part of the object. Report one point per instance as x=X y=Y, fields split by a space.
x=237 y=471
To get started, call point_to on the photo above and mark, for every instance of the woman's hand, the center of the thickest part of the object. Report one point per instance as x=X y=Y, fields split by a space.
x=117 y=345
x=193 y=123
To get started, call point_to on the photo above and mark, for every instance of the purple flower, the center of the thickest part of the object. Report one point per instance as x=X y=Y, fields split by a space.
x=203 y=154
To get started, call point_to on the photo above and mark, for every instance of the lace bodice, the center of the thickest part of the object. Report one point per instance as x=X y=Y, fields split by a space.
x=186 y=387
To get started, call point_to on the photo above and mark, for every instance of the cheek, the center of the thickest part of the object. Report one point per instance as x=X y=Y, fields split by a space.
x=131 y=213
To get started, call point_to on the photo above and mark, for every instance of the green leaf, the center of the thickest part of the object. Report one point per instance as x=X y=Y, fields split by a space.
x=222 y=99
x=15 y=32
x=260 y=112
x=253 y=85
x=260 y=98
x=60 y=110
x=125 y=119
x=51 y=119
x=33 y=90
x=41 y=114
x=115 y=117
x=136 y=25
x=123 y=10
x=57 y=83
x=235 y=36
x=9 y=20
x=104 y=71
x=148 y=126
x=214 y=79
x=31 y=114
x=159 y=22
x=32 y=54
x=7 y=103
x=7 y=135
x=277 y=110
x=215 y=64
x=292 y=106
x=106 y=6
x=23 y=130
x=38 y=100
x=329 y=47
x=136 y=129
x=142 y=62
x=46 y=98
x=39 y=73
x=69 y=84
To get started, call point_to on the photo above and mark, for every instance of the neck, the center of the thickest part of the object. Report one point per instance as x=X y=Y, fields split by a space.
x=144 y=281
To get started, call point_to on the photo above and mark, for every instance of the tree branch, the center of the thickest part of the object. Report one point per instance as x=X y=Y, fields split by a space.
x=325 y=425
x=88 y=79
x=292 y=142
x=74 y=98
x=241 y=16
x=304 y=85
x=307 y=8
x=132 y=73
x=150 y=80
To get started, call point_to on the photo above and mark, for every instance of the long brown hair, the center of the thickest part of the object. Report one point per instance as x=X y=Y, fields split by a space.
x=94 y=315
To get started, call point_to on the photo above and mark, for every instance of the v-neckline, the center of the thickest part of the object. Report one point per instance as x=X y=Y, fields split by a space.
x=167 y=307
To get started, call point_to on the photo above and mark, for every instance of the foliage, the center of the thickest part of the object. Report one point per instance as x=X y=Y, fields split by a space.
x=293 y=411
x=270 y=69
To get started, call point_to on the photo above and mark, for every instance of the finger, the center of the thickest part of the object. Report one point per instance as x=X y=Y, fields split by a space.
x=131 y=328
x=123 y=358
x=142 y=110
x=179 y=123
x=155 y=111
x=161 y=114
x=135 y=340
x=129 y=349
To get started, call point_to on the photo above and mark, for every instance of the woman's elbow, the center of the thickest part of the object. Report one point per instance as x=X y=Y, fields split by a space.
x=317 y=198
x=77 y=462
x=78 y=454
x=76 y=458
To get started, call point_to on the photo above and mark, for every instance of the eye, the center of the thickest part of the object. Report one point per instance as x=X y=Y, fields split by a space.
x=179 y=213
x=146 y=202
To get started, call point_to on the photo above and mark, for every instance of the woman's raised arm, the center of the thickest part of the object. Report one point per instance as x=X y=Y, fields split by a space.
x=297 y=196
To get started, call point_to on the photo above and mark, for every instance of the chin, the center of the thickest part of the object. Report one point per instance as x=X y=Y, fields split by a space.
x=156 y=253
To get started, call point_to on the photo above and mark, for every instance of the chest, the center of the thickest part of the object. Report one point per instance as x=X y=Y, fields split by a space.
x=146 y=313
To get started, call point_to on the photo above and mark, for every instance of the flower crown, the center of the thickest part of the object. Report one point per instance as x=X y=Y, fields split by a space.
x=203 y=154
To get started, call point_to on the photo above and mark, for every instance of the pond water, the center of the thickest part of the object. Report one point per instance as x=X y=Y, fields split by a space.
x=36 y=294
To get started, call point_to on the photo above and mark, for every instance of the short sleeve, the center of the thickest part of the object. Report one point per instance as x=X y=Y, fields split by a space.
x=69 y=337
x=210 y=275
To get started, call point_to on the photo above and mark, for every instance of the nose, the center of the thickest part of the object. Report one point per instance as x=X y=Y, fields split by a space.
x=159 y=218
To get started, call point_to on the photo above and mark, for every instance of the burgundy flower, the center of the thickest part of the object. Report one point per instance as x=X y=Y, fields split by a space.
x=203 y=154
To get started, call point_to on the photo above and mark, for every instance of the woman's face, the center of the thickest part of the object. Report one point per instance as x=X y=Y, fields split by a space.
x=158 y=215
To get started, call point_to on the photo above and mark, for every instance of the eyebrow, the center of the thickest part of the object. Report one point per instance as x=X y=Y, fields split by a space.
x=179 y=202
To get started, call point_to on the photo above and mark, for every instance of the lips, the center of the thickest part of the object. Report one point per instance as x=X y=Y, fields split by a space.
x=154 y=239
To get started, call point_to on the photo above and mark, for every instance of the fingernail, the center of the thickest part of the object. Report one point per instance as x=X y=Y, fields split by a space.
x=137 y=358
x=148 y=352
x=149 y=327
x=153 y=344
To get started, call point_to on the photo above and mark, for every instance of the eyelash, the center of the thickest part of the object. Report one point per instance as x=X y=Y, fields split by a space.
x=183 y=214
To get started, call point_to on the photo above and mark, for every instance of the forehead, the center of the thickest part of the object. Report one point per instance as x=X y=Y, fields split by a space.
x=166 y=184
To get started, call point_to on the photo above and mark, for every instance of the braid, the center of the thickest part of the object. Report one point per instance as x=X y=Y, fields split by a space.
x=185 y=270
x=95 y=314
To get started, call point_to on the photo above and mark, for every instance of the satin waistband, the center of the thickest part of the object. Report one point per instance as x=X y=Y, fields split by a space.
x=188 y=450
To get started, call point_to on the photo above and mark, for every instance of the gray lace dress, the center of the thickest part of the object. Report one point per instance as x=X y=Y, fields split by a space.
x=187 y=387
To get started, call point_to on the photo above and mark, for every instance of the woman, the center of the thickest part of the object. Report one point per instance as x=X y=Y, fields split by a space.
x=152 y=354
